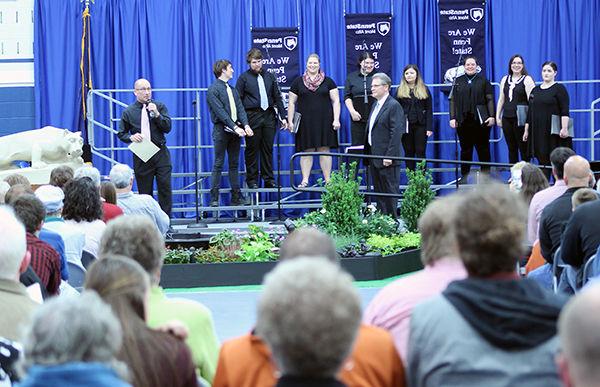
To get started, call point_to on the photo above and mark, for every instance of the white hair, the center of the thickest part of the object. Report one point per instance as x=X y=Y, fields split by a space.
x=4 y=187
x=74 y=329
x=13 y=244
x=88 y=171
x=121 y=175
x=579 y=331
x=309 y=313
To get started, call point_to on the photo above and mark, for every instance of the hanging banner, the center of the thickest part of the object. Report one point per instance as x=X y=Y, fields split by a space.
x=369 y=32
x=280 y=52
x=462 y=33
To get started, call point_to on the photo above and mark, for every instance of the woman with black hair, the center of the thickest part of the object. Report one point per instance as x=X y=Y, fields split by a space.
x=357 y=96
x=472 y=114
x=512 y=107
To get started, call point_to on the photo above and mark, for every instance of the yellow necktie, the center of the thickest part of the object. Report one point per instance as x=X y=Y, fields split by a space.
x=231 y=104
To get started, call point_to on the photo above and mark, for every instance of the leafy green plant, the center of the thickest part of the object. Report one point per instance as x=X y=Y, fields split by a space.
x=417 y=196
x=379 y=224
x=179 y=255
x=257 y=246
x=342 y=201
x=387 y=245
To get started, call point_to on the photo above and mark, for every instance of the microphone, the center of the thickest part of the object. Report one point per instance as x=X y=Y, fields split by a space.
x=151 y=113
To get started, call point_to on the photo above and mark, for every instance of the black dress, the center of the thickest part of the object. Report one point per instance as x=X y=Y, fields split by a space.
x=419 y=115
x=316 y=124
x=357 y=87
x=543 y=103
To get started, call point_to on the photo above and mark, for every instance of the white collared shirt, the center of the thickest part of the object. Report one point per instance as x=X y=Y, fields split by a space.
x=374 y=116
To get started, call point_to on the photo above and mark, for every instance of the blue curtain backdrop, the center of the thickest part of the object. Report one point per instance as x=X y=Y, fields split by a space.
x=174 y=43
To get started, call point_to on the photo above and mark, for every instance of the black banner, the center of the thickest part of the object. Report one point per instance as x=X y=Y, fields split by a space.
x=369 y=32
x=280 y=52
x=462 y=33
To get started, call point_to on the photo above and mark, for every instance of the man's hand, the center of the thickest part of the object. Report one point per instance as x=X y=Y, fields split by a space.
x=387 y=162
x=248 y=131
x=151 y=107
x=137 y=137
x=240 y=131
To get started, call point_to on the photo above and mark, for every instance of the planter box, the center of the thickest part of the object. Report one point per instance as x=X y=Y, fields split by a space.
x=365 y=268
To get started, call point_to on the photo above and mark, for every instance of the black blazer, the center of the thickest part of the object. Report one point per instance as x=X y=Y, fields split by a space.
x=388 y=128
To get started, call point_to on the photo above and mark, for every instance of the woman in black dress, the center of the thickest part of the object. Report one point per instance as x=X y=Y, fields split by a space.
x=415 y=99
x=514 y=91
x=472 y=114
x=319 y=103
x=548 y=99
x=357 y=96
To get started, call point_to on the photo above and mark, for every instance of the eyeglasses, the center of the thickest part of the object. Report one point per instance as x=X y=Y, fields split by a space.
x=376 y=85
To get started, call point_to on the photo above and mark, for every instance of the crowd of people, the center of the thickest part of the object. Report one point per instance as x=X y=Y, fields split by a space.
x=483 y=311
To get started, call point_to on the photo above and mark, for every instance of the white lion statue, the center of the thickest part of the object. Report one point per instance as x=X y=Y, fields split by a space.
x=41 y=147
x=44 y=148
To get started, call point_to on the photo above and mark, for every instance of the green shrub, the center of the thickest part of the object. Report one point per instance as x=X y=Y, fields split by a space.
x=387 y=245
x=417 y=196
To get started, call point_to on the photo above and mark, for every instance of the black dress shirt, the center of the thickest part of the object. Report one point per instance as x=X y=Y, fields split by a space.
x=247 y=87
x=131 y=123
x=218 y=104
x=552 y=223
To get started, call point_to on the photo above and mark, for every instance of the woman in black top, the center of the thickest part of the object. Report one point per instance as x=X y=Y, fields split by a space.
x=415 y=99
x=546 y=100
x=515 y=89
x=316 y=97
x=357 y=96
x=472 y=114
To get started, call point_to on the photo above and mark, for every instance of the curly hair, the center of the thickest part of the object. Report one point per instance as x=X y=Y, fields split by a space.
x=82 y=201
x=61 y=175
x=490 y=230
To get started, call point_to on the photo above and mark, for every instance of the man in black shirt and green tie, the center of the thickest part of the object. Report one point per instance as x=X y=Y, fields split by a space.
x=263 y=104
x=230 y=125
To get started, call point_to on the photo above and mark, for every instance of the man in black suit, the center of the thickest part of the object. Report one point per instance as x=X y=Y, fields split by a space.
x=385 y=128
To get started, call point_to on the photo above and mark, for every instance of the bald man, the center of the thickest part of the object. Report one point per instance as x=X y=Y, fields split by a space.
x=147 y=119
x=577 y=174
x=579 y=332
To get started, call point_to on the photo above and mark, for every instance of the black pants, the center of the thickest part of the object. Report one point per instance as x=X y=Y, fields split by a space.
x=357 y=132
x=158 y=166
x=230 y=143
x=259 y=147
x=514 y=139
x=414 y=143
x=555 y=142
x=386 y=180
x=473 y=135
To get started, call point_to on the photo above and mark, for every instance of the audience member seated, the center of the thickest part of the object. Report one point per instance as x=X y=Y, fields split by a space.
x=109 y=210
x=540 y=200
x=533 y=181
x=15 y=304
x=74 y=240
x=578 y=329
x=246 y=361
x=60 y=176
x=121 y=175
x=45 y=261
x=15 y=178
x=391 y=308
x=134 y=236
x=4 y=187
x=73 y=342
x=309 y=314
x=581 y=237
x=83 y=209
x=108 y=191
x=577 y=174
x=154 y=358
x=493 y=328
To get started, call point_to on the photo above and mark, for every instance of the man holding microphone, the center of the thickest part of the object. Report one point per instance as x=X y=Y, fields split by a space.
x=146 y=119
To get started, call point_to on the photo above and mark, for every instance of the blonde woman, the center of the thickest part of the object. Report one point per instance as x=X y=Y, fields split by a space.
x=318 y=100
x=415 y=99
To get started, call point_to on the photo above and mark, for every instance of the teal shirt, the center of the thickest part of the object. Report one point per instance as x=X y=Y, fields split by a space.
x=202 y=338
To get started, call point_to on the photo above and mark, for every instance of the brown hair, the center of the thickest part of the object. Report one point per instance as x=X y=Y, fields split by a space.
x=420 y=89
x=254 y=53
x=533 y=180
x=583 y=195
x=219 y=66
x=15 y=178
x=436 y=226
x=61 y=175
x=109 y=192
x=308 y=242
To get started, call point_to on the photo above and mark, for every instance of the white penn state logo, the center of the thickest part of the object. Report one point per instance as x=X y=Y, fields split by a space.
x=476 y=14
x=290 y=42
x=383 y=28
